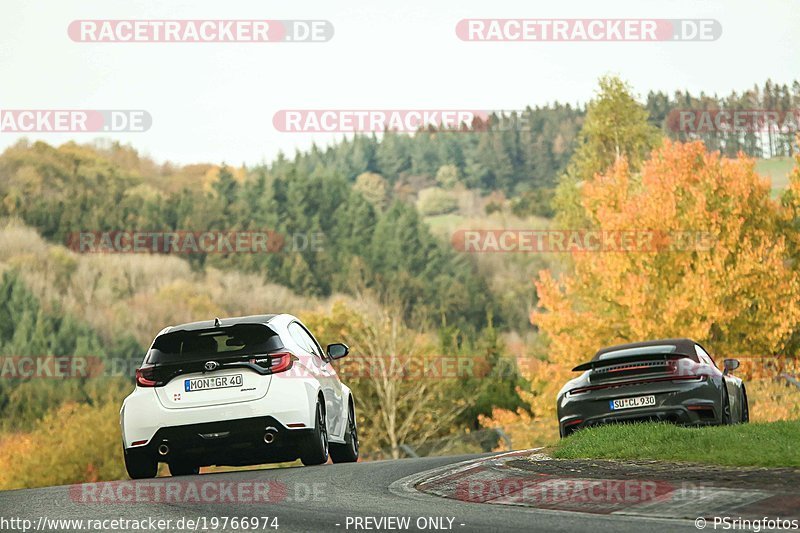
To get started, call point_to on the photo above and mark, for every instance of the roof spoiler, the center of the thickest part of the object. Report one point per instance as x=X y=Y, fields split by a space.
x=591 y=365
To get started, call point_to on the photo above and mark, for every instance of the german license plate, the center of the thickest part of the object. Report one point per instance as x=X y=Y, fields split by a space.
x=630 y=403
x=215 y=382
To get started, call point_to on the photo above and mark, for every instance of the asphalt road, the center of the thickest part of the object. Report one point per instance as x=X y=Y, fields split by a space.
x=343 y=497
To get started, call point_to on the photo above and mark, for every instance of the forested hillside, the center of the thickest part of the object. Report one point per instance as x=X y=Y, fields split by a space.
x=74 y=188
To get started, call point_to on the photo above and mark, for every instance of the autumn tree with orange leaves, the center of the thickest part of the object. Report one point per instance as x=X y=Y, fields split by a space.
x=735 y=289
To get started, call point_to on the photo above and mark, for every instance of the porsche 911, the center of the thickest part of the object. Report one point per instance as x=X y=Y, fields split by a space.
x=669 y=380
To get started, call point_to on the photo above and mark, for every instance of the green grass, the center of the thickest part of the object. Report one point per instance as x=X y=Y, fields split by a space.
x=777 y=169
x=773 y=444
x=444 y=223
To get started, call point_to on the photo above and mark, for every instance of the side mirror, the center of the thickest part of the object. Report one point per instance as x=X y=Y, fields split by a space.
x=337 y=350
x=729 y=365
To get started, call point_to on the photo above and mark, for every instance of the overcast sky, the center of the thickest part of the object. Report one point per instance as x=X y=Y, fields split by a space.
x=215 y=101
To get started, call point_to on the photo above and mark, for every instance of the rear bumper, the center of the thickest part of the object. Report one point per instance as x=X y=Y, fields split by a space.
x=680 y=402
x=228 y=442
x=288 y=403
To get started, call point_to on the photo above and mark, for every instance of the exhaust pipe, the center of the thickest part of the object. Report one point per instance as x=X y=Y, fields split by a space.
x=163 y=449
x=269 y=436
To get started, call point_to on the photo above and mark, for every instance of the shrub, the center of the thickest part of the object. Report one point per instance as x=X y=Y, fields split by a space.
x=436 y=201
x=493 y=207
x=74 y=443
x=533 y=203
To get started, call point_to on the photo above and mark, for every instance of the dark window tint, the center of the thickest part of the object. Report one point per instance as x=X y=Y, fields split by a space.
x=231 y=341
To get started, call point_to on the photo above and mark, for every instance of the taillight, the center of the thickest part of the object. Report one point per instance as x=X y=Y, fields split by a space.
x=144 y=377
x=275 y=362
x=280 y=362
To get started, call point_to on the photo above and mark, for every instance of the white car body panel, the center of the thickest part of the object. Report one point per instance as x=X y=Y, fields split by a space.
x=289 y=397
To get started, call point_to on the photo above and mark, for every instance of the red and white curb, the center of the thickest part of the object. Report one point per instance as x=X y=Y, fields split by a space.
x=493 y=481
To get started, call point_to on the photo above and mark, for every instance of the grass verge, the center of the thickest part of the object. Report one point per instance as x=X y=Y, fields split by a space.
x=771 y=444
x=778 y=170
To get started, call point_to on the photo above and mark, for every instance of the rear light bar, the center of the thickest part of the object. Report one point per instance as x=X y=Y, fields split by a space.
x=626 y=368
x=637 y=382
x=278 y=362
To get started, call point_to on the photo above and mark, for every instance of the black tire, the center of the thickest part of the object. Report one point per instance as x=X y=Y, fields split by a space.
x=182 y=468
x=745 y=407
x=140 y=464
x=315 y=449
x=347 y=452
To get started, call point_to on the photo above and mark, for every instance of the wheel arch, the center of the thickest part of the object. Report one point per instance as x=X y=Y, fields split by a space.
x=349 y=395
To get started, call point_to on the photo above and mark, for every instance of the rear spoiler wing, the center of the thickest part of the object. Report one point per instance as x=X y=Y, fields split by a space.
x=591 y=365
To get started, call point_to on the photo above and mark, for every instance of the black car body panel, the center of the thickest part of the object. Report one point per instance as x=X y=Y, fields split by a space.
x=228 y=442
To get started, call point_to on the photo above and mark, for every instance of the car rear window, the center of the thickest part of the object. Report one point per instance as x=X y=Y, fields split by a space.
x=219 y=343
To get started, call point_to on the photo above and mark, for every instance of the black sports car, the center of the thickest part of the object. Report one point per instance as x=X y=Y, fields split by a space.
x=672 y=380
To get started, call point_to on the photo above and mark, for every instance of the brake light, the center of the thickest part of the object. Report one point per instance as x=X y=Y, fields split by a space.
x=280 y=362
x=143 y=376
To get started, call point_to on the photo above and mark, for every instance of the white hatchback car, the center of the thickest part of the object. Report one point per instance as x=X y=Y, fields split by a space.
x=237 y=391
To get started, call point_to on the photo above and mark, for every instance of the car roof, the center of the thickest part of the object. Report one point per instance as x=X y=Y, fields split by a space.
x=684 y=346
x=232 y=321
